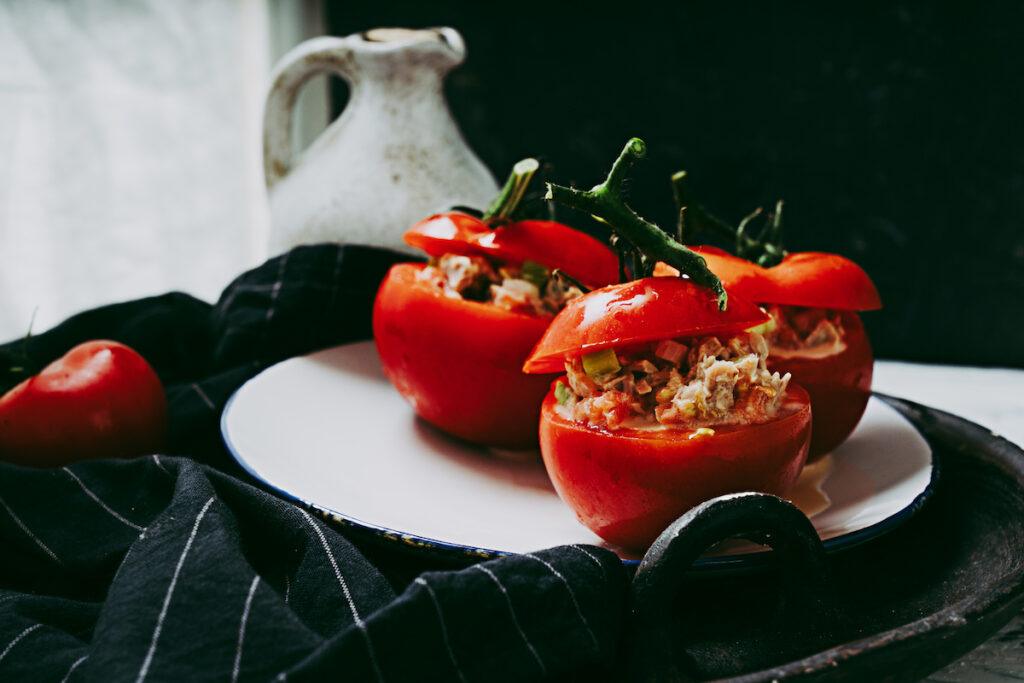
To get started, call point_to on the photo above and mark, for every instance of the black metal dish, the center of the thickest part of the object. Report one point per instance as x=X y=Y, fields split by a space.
x=894 y=609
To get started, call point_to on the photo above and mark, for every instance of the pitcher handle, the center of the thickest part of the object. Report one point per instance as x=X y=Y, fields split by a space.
x=308 y=59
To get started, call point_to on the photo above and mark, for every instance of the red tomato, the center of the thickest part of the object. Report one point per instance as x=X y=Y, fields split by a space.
x=548 y=243
x=101 y=400
x=640 y=311
x=628 y=485
x=808 y=279
x=458 y=362
x=839 y=385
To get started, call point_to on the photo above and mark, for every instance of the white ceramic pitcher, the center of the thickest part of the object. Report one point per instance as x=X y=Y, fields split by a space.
x=393 y=157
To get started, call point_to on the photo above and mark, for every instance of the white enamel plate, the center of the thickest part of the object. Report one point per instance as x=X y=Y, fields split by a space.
x=329 y=431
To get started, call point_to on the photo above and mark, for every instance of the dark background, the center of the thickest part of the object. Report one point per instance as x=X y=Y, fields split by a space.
x=892 y=130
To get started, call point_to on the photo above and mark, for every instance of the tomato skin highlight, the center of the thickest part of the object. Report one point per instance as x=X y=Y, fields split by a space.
x=447 y=233
x=839 y=385
x=100 y=400
x=628 y=485
x=549 y=243
x=458 y=362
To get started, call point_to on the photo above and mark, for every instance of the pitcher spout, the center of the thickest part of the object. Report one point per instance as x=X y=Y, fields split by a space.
x=442 y=46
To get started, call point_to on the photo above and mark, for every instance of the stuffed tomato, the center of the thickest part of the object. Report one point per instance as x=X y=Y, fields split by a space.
x=453 y=333
x=816 y=333
x=666 y=402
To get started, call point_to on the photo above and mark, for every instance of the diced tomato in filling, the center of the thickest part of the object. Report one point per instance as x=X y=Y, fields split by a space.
x=799 y=329
x=476 y=278
x=685 y=383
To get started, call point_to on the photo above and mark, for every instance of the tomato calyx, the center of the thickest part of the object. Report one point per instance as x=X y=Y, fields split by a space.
x=762 y=270
x=505 y=204
x=459 y=230
x=639 y=243
x=16 y=364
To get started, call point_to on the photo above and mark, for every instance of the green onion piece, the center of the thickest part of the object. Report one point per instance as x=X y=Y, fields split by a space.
x=535 y=273
x=764 y=328
x=562 y=394
x=600 y=363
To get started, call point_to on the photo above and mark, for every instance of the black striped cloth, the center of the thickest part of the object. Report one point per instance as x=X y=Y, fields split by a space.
x=173 y=567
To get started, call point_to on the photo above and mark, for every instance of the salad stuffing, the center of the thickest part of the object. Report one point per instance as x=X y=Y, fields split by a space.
x=686 y=383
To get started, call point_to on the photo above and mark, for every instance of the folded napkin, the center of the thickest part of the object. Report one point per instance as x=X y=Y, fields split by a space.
x=176 y=567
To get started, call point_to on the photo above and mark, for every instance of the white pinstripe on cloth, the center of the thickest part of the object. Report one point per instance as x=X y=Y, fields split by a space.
x=275 y=290
x=170 y=591
x=156 y=460
x=241 y=628
x=515 y=619
x=74 y=665
x=572 y=596
x=444 y=629
x=344 y=589
x=202 y=394
x=113 y=513
x=28 y=532
x=17 y=639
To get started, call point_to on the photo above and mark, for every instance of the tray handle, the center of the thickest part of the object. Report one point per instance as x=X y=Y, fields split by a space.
x=757 y=517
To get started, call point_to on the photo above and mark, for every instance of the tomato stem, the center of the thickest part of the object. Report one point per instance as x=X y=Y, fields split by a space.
x=765 y=249
x=501 y=209
x=646 y=242
x=700 y=219
x=17 y=362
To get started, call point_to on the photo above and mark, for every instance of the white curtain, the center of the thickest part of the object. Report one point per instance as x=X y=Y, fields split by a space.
x=129 y=148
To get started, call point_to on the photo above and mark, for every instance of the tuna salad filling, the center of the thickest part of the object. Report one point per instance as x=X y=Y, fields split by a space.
x=530 y=288
x=797 y=331
x=693 y=384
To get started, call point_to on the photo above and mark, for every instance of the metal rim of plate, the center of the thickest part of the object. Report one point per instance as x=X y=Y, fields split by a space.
x=446 y=549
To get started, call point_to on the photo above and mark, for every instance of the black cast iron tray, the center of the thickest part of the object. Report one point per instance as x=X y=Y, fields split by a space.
x=894 y=609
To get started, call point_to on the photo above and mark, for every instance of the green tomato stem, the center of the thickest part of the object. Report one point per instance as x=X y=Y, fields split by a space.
x=605 y=202
x=766 y=249
x=511 y=194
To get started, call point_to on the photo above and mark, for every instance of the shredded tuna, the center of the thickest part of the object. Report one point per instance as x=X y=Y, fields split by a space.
x=805 y=329
x=475 y=278
x=712 y=383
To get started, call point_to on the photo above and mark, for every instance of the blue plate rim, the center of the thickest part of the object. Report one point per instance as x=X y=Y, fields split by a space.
x=722 y=562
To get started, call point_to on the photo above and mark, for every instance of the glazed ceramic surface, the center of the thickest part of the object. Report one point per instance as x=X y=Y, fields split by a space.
x=393 y=157
x=329 y=430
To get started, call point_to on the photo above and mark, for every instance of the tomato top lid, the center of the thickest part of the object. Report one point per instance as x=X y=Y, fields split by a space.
x=549 y=243
x=811 y=279
x=645 y=310
x=496 y=236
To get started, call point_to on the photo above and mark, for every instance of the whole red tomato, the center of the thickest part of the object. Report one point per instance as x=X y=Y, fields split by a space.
x=840 y=383
x=627 y=485
x=458 y=362
x=100 y=400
